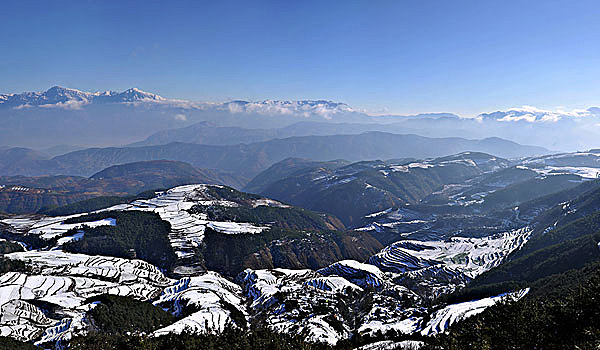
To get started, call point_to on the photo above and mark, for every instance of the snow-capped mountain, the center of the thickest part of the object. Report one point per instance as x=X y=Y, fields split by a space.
x=61 y=97
x=303 y=108
x=109 y=118
x=533 y=115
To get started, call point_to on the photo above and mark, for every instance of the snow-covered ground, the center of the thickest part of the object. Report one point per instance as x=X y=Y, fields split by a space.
x=67 y=280
x=173 y=205
x=393 y=345
x=290 y=301
x=403 y=325
x=584 y=172
x=356 y=272
x=210 y=296
x=51 y=227
x=471 y=256
x=187 y=228
x=444 y=318
x=305 y=288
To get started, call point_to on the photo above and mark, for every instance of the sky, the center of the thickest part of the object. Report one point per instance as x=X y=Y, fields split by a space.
x=400 y=57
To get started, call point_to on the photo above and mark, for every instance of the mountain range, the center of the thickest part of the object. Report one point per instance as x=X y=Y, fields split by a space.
x=247 y=160
x=60 y=97
x=38 y=119
x=22 y=194
x=432 y=268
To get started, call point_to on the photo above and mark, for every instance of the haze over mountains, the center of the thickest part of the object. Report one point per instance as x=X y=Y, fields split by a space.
x=314 y=175
x=353 y=228
x=63 y=116
x=417 y=248
x=23 y=194
x=248 y=160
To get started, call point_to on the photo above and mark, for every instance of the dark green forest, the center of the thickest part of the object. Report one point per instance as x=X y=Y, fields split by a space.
x=138 y=234
x=117 y=315
x=95 y=203
x=565 y=316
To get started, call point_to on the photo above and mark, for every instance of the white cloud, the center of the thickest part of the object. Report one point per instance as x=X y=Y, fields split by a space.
x=27 y=105
x=306 y=108
x=533 y=114
x=515 y=118
x=180 y=117
x=71 y=104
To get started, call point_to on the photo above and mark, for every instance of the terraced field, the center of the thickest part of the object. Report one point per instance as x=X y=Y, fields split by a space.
x=50 y=301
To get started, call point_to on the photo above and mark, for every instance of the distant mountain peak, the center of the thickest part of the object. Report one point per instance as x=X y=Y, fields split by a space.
x=58 y=88
x=530 y=114
x=62 y=97
x=68 y=98
x=306 y=108
x=135 y=94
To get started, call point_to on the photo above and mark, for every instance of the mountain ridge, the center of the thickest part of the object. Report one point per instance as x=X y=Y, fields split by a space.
x=20 y=194
x=119 y=118
x=249 y=159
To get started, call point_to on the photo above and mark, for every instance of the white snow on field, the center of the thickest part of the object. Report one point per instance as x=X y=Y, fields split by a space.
x=584 y=172
x=50 y=227
x=212 y=318
x=420 y=165
x=468 y=162
x=291 y=301
x=187 y=230
x=471 y=256
x=67 y=292
x=395 y=168
x=23 y=332
x=65 y=328
x=393 y=345
x=262 y=285
x=208 y=294
x=406 y=326
x=123 y=271
x=573 y=158
x=444 y=318
x=388 y=210
x=356 y=272
x=234 y=228
x=268 y=203
x=22 y=320
x=57 y=229
x=67 y=280
x=315 y=329
x=406 y=168
x=303 y=288
x=77 y=236
x=333 y=284
x=184 y=290
x=378 y=227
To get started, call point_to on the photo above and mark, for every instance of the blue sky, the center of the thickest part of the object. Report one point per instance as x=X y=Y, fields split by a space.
x=399 y=56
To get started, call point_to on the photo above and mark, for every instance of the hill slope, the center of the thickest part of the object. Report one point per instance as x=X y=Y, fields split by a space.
x=21 y=194
x=249 y=160
x=363 y=188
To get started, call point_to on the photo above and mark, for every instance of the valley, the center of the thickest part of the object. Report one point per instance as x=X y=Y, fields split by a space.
x=335 y=251
x=300 y=175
